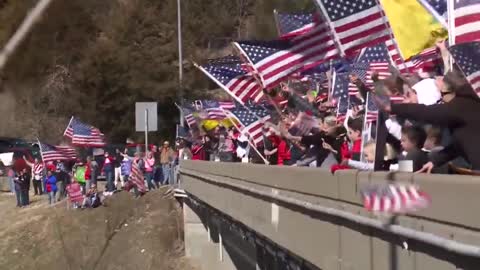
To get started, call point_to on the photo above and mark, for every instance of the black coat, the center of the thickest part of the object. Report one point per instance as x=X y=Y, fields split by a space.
x=461 y=116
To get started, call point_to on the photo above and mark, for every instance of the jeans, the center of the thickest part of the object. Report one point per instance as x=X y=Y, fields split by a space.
x=118 y=176
x=60 y=190
x=25 y=200
x=18 y=195
x=109 y=176
x=12 y=184
x=166 y=168
x=37 y=187
x=157 y=175
x=93 y=178
x=149 y=178
x=51 y=197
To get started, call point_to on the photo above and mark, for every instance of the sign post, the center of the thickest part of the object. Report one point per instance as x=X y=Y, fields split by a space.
x=146 y=119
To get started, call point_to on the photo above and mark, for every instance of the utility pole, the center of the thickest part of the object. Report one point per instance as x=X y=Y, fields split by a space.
x=180 y=61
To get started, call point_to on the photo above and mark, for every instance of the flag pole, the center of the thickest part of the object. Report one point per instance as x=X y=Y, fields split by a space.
x=451 y=29
x=41 y=152
x=277 y=25
x=324 y=15
x=249 y=141
x=70 y=122
x=365 y=118
x=33 y=17
x=434 y=13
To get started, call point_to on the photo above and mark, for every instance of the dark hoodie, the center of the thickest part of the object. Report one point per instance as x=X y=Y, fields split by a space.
x=461 y=116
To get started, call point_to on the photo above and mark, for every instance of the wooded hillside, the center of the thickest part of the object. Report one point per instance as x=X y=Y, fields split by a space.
x=95 y=59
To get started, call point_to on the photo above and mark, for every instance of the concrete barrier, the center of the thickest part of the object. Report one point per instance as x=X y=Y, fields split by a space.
x=327 y=240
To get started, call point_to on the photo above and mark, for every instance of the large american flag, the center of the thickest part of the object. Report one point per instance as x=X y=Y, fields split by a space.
x=357 y=24
x=467 y=20
x=54 y=153
x=83 y=134
x=229 y=74
x=294 y=24
x=273 y=61
x=251 y=120
x=467 y=57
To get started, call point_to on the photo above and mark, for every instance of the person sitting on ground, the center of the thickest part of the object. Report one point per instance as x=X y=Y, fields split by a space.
x=92 y=198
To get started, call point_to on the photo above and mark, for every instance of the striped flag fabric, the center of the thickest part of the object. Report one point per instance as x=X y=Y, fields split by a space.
x=426 y=61
x=189 y=117
x=274 y=61
x=83 y=134
x=294 y=24
x=371 y=109
x=370 y=60
x=357 y=24
x=136 y=177
x=251 y=120
x=214 y=110
x=54 y=153
x=467 y=58
x=394 y=198
x=467 y=20
x=229 y=73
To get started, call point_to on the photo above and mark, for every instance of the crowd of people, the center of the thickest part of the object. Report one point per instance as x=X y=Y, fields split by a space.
x=430 y=127
x=77 y=180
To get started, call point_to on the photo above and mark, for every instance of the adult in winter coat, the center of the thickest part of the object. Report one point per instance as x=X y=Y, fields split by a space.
x=459 y=113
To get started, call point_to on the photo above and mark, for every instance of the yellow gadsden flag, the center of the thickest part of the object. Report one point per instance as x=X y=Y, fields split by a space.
x=414 y=28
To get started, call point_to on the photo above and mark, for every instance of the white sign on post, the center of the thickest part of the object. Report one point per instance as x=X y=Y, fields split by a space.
x=140 y=116
x=146 y=119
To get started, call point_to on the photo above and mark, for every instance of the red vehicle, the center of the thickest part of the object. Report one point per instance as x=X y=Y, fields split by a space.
x=18 y=161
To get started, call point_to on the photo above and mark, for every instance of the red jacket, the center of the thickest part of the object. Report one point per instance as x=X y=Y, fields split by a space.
x=88 y=171
x=353 y=153
x=283 y=151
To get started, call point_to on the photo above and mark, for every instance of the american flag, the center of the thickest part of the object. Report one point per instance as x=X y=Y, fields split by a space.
x=340 y=95
x=394 y=53
x=437 y=6
x=189 y=117
x=83 y=134
x=251 y=120
x=136 y=177
x=427 y=61
x=467 y=57
x=212 y=109
x=371 y=109
x=394 y=198
x=54 y=153
x=467 y=20
x=294 y=24
x=229 y=74
x=357 y=24
x=274 y=61
x=374 y=59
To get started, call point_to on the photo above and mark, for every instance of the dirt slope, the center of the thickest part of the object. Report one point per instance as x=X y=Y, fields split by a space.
x=126 y=234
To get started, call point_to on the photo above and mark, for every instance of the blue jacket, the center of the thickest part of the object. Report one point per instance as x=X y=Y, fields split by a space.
x=51 y=183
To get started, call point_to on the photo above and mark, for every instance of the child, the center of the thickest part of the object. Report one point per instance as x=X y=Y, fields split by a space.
x=51 y=186
x=351 y=149
x=368 y=165
x=413 y=139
